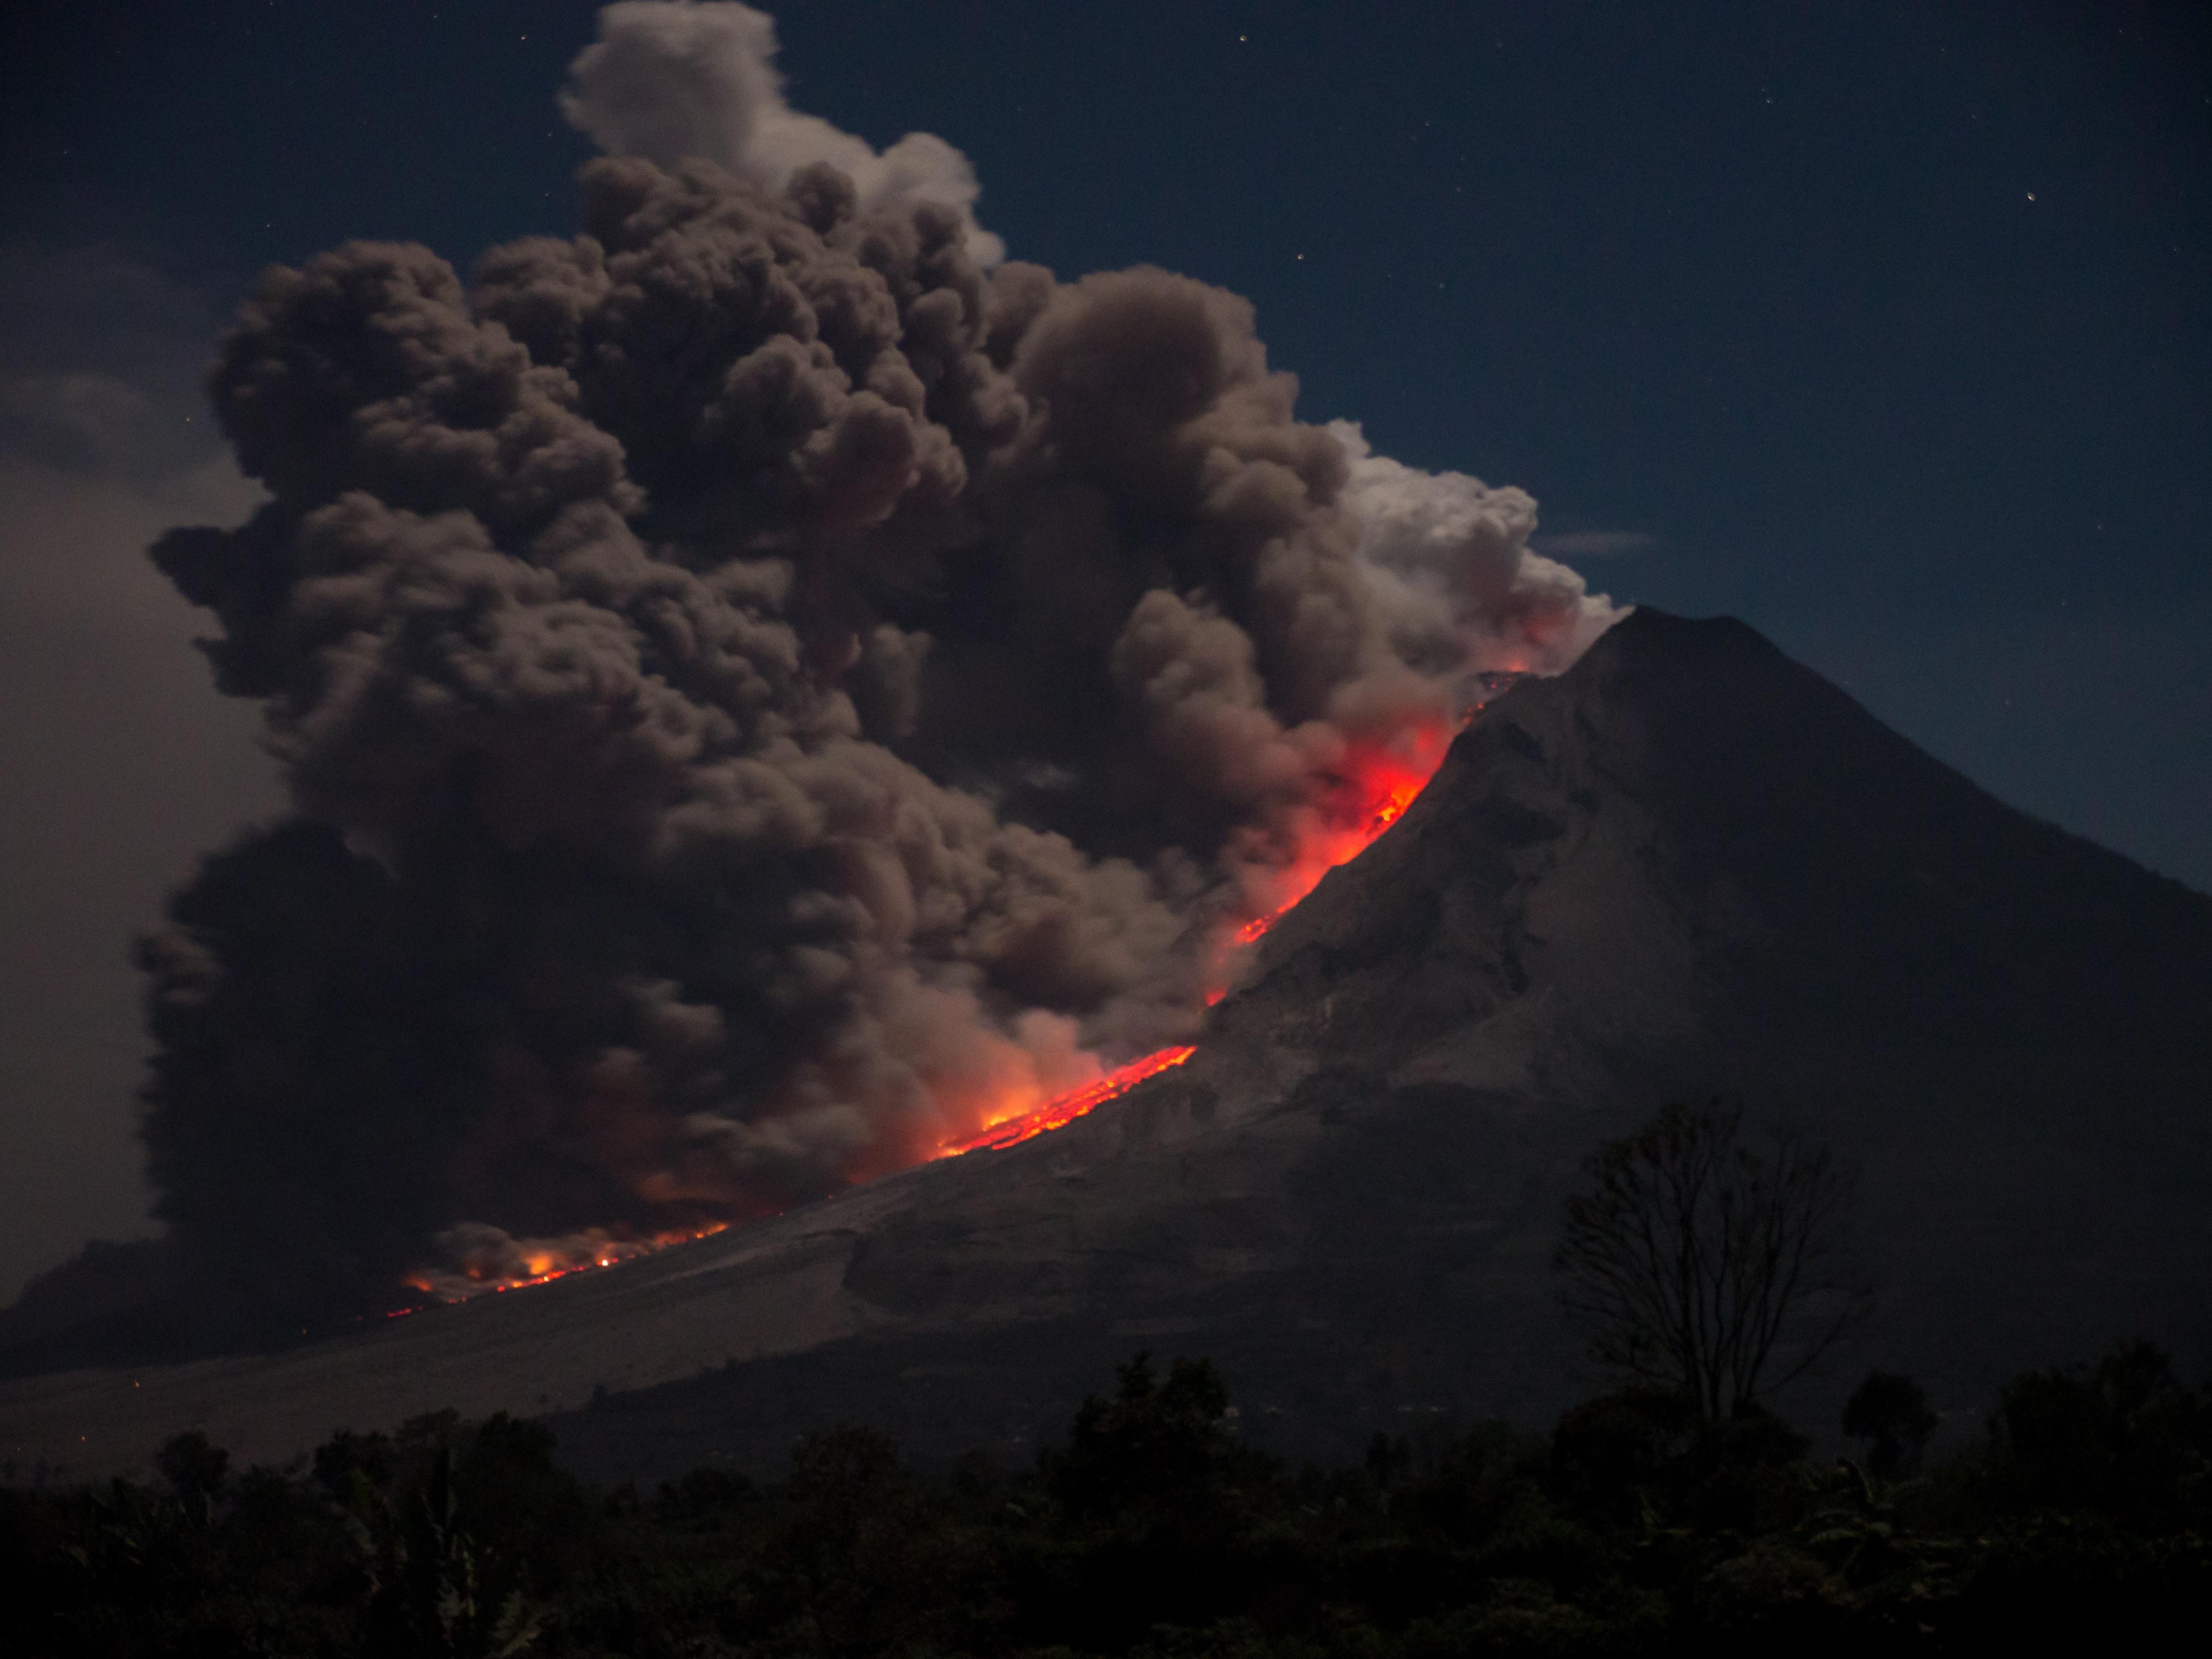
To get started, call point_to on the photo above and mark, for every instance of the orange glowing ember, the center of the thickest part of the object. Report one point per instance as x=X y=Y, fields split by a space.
x=545 y=1261
x=1066 y=1109
x=1378 y=783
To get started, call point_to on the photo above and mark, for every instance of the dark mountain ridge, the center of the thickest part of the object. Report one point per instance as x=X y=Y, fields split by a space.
x=1687 y=866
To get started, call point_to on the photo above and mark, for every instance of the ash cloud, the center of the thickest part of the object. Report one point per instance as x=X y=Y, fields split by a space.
x=763 y=683
x=668 y=82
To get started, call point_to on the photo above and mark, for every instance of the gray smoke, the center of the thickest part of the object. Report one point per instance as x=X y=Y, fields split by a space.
x=764 y=685
x=670 y=82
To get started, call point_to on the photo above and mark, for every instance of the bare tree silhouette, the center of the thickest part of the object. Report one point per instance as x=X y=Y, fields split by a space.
x=1698 y=1262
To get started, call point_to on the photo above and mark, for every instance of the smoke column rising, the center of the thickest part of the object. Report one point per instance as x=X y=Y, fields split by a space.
x=766 y=686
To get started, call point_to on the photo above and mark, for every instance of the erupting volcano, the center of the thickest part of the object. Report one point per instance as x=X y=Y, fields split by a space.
x=882 y=826
x=772 y=692
x=1376 y=786
x=1686 y=863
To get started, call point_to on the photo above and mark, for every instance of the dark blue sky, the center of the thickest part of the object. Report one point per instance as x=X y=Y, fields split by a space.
x=1886 y=323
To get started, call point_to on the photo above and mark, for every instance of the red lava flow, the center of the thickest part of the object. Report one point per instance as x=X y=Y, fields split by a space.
x=1378 y=782
x=1066 y=1109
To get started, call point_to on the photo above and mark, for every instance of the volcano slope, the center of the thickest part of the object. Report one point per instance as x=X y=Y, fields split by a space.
x=1687 y=867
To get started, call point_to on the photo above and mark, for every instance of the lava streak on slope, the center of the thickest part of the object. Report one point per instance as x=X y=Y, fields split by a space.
x=540 y=1262
x=1066 y=1109
x=1378 y=782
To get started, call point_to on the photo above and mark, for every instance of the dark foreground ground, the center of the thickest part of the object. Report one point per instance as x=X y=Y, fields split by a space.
x=2081 y=1519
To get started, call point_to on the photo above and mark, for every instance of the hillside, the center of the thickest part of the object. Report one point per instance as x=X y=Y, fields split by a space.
x=1687 y=865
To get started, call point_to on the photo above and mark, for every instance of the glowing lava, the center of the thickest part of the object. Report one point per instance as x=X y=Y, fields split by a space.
x=1066 y=1109
x=1376 y=782
x=544 y=1261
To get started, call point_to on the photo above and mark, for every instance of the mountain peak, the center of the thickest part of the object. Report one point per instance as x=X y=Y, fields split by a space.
x=1687 y=867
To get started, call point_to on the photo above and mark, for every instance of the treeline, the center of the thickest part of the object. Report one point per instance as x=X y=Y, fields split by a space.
x=2083 y=1515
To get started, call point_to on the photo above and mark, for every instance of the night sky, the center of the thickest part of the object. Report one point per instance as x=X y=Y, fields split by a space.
x=1883 y=327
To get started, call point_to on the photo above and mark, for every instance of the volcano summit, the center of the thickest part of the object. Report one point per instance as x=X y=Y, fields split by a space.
x=1687 y=866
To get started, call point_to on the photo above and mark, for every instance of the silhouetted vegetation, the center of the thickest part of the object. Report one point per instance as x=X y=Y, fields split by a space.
x=1640 y=1524
x=1707 y=1267
x=1891 y=1413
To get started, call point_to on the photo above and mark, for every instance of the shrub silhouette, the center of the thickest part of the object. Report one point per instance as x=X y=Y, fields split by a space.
x=2123 y=1438
x=864 y=1559
x=1152 y=1450
x=1638 y=1525
x=195 y=1468
x=1891 y=1413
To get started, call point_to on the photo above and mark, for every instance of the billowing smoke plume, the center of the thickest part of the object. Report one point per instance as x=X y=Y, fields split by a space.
x=763 y=684
x=672 y=82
